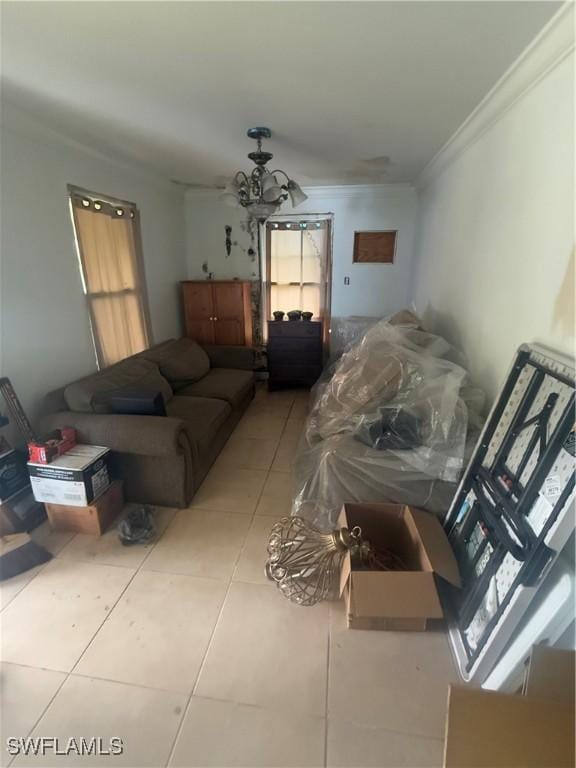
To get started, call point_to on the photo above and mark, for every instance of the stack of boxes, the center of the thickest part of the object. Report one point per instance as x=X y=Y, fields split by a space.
x=77 y=488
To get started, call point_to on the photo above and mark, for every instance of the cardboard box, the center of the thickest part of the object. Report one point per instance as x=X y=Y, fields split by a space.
x=75 y=479
x=503 y=730
x=500 y=730
x=397 y=600
x=21 y=512
x=55 y=444
x=94 y=518
x=551 y=673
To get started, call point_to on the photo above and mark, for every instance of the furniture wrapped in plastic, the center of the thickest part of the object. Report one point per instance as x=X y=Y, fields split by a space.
x=344 y=331
x=389 y=421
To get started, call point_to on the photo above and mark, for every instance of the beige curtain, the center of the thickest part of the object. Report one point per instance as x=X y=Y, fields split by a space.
x=113 y=280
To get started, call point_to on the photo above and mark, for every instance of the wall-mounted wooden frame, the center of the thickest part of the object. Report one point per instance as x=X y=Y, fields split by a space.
x=374 y=247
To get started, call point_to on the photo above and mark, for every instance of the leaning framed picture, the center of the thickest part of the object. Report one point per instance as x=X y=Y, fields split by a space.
x=375 y=247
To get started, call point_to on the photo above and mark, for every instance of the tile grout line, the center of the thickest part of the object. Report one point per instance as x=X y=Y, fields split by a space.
x=263 y=486
x=41 y=568
x=71 y=672
x=240 y=552
x=280 y=439
x=328 y=649
x=217 y=622
x=39 y=718
x=159 y=539
x=377 y=728
x=199 y=673
x=230 y=582
x=120 y=596
x=94 y=561
x=68 y=674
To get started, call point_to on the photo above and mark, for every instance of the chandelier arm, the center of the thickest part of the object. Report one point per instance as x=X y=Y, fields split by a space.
x=279 y=170
x=242 y=176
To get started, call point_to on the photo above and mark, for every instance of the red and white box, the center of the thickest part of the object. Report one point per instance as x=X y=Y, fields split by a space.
x=55 y=444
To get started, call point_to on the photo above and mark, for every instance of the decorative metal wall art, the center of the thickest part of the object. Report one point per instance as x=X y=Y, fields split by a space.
x=228 y=230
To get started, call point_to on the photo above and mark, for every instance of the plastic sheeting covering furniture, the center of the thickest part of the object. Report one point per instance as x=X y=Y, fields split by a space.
x=391 y=420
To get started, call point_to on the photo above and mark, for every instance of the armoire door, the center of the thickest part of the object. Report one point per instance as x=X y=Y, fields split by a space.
x=228 y=313
x=199 y=311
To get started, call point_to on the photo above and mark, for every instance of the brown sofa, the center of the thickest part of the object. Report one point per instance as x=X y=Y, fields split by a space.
x=161 y=459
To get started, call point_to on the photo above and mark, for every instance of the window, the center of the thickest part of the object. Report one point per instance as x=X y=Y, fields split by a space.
x=298 y=267
x=108 y=243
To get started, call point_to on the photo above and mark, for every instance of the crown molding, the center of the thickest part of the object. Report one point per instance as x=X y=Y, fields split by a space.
x=551 y=46
x=17 y=120
x=323 y=192
x=355 y=190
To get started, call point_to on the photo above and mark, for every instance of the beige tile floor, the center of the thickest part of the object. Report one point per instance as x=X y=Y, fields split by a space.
x=186 y=652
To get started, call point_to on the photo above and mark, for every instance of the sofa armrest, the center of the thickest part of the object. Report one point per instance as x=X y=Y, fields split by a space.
x=222 y=356
x=142 y=435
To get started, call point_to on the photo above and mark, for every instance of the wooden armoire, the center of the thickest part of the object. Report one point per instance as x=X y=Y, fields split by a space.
x=218 y=311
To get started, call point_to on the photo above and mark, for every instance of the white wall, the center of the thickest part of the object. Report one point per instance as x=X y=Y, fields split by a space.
x=45 y=331
x=375 y=289
x=206 y=218
x=495 y=258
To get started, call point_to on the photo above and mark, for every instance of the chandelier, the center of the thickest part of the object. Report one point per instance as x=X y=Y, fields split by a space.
x=305 y=562
x=261 y=192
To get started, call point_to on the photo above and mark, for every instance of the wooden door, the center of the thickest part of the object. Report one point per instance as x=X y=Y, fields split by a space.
x=228 y=313
x=199 y=311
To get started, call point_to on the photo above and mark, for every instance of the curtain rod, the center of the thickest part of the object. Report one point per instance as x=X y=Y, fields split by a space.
x=81 y=192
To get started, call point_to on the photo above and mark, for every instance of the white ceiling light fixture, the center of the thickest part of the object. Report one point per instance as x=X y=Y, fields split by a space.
x=262 y=192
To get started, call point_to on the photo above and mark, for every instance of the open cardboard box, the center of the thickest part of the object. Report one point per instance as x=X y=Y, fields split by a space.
x=397 y=600
x=502 y=730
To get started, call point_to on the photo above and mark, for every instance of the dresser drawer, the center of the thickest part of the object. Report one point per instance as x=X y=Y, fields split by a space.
x=295 y=350
x=294 y=329
x=295 y=375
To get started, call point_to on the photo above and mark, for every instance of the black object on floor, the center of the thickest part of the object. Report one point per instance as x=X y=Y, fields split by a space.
x=138 y=526
x=20 y=554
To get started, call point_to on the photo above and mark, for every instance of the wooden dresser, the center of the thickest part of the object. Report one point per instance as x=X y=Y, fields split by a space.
x=218 y=311
x=294 y=353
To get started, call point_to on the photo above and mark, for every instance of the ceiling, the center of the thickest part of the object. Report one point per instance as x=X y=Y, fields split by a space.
x=354 y=92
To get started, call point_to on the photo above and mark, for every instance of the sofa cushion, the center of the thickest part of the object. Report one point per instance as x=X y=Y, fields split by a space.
x=181 y=361
x=157 y=352
x=227 y=384
x=203 y=416
x=92 y=394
